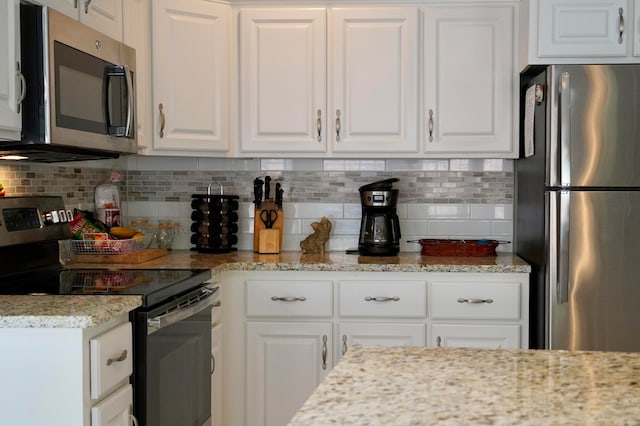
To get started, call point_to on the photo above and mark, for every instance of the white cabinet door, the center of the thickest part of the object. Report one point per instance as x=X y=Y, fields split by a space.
x=285 y=363
x=470 y=81
x=369 y=333
x=475 y=336
x=10 y=84
x=574 y=28
x=190 y=76
x=137 y=34
x=374 y=80
x=283 y=80
x=103 y=15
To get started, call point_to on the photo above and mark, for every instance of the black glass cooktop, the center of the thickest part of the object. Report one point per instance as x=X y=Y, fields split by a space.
x=154 y=285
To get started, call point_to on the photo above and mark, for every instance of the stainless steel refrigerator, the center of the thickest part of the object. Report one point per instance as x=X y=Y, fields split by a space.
x=577 y=205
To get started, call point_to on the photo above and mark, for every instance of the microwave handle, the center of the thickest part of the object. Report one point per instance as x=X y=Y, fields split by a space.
x=130 y=101
x=119 y=71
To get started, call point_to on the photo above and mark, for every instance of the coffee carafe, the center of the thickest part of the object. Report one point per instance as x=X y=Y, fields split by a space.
x=379 y=227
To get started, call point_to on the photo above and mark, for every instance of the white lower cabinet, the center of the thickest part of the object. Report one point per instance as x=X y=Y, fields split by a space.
x=285 y=330
x=67 y=376
x=286 y=361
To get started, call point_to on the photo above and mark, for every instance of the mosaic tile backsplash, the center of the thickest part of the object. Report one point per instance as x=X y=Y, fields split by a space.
x=437 y=198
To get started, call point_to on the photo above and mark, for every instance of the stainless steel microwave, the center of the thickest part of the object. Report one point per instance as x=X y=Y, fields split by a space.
x=80 y=90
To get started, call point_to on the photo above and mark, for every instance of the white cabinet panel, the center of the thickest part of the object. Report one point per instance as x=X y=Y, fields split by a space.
x=111 y=359
x=283 y=80
x=469 y=81
x=374 y=79
x=10 y=85
x=285 y=363
x=382 y=299
x=574 y=28
x=190 y=76
x=496 y=301
x=116 y=410
x=386 y=334
x=475 y=336
x=103 y=15
x=297 y=298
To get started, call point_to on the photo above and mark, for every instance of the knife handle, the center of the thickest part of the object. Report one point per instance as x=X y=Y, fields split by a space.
x=267 y=187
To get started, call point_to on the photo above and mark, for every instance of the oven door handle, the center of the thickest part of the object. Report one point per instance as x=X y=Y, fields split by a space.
x=203 y=302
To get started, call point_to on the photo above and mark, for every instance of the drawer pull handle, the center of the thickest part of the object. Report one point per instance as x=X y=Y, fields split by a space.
x=288 y=299
x=344 y=344
x=463 y=300
x=121 y=358
x=381 y=299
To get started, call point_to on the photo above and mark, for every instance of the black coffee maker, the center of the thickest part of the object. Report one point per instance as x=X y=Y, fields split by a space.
x=379 y=227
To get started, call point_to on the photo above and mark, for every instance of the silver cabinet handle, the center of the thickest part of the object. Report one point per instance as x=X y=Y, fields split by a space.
x=381 y=299
x=288 y=299
x=438 y=341
x=344 y=344
x=474 y=301
x=86 y=6
x=338 y=125
x=621 y=26
x=430 y=123
x=132 y=417
x=23 y=87
x=319 y=125
x=213 y=364
x=120 y=358
x=75 y=4
x=324 y=352
x=162 y=120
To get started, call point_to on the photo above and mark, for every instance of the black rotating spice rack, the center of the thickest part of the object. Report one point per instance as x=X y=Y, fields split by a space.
x=215 y=222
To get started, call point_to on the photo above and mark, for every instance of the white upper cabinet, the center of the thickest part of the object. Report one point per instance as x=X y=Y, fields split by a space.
x=470 y=81
x=190 y=77
x=374 y=80
x=11 y=85
x=283 y=80
x=103 y=15
x=368 y=101
x=580 y=31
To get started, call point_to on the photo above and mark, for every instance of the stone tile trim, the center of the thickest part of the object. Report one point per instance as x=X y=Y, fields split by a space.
x=77 y=184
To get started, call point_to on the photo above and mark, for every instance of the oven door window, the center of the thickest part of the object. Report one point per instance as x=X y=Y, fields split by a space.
x=89 y=95
x=178 y=362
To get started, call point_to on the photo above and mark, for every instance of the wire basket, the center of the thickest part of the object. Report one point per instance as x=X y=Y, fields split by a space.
x=100 y=244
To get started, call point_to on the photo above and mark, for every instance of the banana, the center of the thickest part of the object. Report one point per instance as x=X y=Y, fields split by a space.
x=122 y=232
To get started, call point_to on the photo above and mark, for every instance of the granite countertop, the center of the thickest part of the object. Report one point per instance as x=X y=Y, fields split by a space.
x=89 y=311
x=445 y=386
x=63 y=311
x=331 y=261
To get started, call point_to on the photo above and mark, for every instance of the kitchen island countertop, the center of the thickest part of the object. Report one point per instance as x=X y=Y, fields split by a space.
x=446 y=386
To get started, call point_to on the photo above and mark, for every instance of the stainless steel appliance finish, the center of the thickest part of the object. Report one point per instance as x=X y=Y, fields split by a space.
x=379 y=226
x=171 y=330
x=80 y=90
x=578 y=207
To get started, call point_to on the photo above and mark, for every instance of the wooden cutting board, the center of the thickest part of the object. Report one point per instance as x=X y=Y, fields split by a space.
x=135 y=257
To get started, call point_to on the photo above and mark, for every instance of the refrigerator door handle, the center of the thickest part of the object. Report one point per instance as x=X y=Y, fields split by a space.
x=565 y=129
x=563 y=214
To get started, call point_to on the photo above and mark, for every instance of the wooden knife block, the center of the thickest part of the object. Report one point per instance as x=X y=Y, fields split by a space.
x=258 y=226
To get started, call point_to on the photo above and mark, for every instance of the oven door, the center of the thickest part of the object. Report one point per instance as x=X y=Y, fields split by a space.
x=172 y=361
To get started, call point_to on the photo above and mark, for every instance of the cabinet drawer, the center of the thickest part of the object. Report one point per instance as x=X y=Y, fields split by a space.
x=475 y=336
x=111 y=359
x=383 y=299
x=290 y=299
x=115 y=410
x=454 y=300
